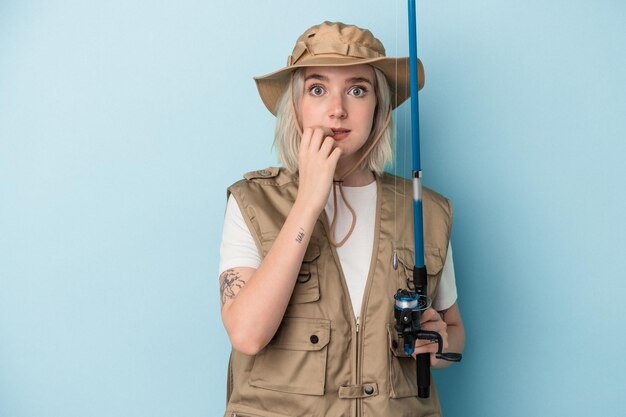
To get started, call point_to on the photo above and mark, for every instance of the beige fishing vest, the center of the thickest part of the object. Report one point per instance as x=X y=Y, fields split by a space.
x=322 y=362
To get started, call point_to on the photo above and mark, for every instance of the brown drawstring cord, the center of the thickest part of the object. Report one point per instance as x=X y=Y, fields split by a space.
x=334 y=221
x=340 y=180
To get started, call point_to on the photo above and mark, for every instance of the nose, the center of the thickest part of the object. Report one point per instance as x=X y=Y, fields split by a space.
x=338 y=108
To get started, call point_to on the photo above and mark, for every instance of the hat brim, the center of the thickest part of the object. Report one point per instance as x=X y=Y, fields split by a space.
x=272 y=86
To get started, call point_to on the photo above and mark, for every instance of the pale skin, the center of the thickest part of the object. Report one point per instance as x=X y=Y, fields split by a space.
x=337 y=111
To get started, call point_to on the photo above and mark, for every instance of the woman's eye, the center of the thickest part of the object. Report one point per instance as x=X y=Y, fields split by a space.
x=358 y=91
x=316 y=90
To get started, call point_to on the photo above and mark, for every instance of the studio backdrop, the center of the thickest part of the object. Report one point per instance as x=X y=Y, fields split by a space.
x=123 y=122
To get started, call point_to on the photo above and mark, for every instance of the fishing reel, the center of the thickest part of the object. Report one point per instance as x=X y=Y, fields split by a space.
x=407 y=312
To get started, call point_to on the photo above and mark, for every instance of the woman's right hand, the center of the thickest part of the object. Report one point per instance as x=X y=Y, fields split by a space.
x=317 y=161
x=264 y=293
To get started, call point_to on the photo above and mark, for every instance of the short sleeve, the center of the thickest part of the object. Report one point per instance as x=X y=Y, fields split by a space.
x=237 y=248
x=446 y=295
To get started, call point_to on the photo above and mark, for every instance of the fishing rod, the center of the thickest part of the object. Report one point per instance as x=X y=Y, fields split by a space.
x=410 y=305
x=420 y=277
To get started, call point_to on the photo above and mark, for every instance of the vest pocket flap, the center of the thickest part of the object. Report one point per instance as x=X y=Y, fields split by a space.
x=432 y=258
x=406 y=258
x=297 y=333
x=312 y=253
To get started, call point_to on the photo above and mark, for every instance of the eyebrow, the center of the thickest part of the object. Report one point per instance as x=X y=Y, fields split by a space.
x=348 y=81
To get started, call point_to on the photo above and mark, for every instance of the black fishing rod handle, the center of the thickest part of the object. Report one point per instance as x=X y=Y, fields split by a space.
x=423 y=375
x=420 y=281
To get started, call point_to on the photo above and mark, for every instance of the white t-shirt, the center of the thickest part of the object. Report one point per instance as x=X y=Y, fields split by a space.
x=239 y=250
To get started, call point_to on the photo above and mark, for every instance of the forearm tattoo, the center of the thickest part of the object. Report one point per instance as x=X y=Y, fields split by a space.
x=300 y=236
x=230 y=284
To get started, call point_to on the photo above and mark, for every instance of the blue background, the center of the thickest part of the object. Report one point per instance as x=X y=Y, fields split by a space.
x=122 y=123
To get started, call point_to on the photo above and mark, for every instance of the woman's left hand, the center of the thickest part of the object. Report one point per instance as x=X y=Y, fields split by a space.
x=433 y=321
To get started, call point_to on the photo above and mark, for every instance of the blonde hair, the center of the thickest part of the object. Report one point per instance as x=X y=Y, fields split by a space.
x=287 y=137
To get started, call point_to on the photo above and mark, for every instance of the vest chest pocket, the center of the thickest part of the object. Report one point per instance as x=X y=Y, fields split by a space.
x=295 y=360
x=406 y=261
x=307 y=288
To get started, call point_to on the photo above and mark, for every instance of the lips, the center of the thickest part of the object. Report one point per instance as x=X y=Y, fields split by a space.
x=340 y=133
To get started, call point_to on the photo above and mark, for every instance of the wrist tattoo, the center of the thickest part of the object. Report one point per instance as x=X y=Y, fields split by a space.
x=300 y=236
x=230 y=284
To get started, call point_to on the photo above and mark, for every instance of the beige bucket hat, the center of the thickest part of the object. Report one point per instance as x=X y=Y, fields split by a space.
x=337 y=44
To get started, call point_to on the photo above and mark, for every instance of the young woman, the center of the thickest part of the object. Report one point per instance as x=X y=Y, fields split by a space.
x=313 y=252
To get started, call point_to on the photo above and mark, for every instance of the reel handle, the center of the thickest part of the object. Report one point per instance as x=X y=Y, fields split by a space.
x=436 y=337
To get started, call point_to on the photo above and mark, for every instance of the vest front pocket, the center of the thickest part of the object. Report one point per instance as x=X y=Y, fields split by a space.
x=307 y=288
x=402 y=368
x=403 y=380
x=295 y=360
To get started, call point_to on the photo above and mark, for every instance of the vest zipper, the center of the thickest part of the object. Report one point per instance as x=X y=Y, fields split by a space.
x=357 y=323
x=358 y=362
x=366 y=294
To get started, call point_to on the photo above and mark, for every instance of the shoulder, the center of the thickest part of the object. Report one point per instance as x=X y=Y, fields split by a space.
x=397 y=185
x=273 y=176
x=265 y=173
x=270 y=183
x=435 y=198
